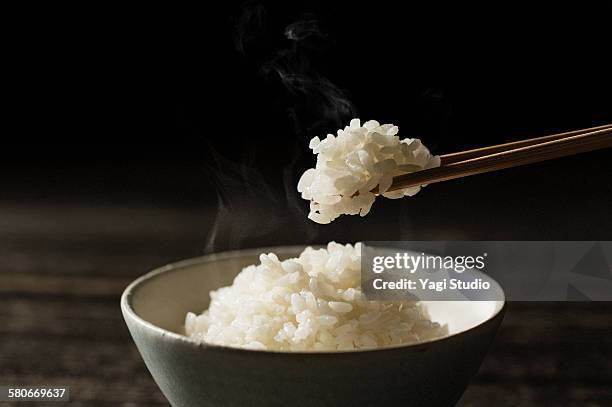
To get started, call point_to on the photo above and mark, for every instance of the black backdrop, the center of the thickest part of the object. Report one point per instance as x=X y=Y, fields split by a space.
x=165 y=106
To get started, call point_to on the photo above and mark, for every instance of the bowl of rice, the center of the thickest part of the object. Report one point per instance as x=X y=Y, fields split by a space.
x=289 y=326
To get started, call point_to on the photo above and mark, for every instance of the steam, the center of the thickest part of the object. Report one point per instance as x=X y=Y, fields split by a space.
x=250 y=211
x=313 y=102
x=316 y=104
x=249 y=24
x=302 y=29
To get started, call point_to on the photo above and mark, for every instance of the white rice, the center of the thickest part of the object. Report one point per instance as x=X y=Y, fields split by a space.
x=310 y=303
x=353 y=163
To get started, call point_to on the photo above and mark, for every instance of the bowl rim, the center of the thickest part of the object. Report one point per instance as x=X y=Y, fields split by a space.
x=129 y=312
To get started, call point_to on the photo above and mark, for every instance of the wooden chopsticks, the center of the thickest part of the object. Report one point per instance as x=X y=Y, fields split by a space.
x=507 y=155
x=477 y=152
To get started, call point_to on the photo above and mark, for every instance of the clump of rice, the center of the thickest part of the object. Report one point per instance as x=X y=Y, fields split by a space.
x=310 y=303
x=353 y=163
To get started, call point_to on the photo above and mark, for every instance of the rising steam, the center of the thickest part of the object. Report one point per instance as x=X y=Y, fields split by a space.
x=316 y=104
x=313 y=102
x=250 y=212
x=249 y=24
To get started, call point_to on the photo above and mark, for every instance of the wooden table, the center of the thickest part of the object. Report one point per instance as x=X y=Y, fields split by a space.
x=63 y=268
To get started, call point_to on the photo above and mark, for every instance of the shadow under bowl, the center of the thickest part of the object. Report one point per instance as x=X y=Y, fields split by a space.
x=192 y=373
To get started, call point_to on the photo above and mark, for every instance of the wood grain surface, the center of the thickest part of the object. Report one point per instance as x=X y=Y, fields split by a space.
x=63 y=267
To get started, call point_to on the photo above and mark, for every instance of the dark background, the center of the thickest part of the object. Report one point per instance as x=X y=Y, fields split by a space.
x=133 y=138
x=122 y=104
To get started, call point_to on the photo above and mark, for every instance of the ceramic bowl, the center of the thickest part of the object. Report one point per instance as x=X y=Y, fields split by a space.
x=192 y=374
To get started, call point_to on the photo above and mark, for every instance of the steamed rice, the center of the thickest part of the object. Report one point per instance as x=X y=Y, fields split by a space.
x=310 y=303
x=356 y=161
